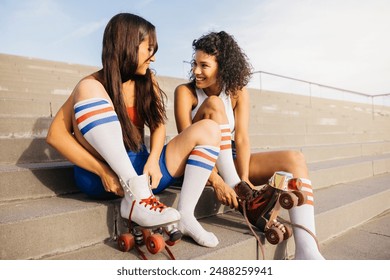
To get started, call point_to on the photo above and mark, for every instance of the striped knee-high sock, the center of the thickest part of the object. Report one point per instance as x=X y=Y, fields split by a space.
x=197 y=171
x=305 y=245
x=225 y=163
x=99 y=124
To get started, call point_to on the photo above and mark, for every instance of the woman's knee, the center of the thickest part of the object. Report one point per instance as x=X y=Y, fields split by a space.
x=296 y=161
x=209 y=132
x=213 y=107
x=214 y=103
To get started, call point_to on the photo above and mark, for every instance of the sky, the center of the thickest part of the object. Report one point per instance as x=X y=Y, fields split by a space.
x=340 y=43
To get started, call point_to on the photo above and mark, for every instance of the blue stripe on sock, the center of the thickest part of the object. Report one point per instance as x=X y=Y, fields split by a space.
x=89 y=105
x=200 y=164
x=91 y=125
x=215 y=153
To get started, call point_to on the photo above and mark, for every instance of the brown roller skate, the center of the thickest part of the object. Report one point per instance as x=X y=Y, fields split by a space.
x=261 y=207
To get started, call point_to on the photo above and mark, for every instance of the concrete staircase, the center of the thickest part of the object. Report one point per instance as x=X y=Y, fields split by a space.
x=44 y=216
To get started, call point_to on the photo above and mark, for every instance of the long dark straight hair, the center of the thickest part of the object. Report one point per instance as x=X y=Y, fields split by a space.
x=122 y=37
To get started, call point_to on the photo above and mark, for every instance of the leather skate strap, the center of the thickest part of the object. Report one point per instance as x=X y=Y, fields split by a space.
x=304 y=228
x=141 y=253
x=131 y=212
x=259 y=244
x=170 y=253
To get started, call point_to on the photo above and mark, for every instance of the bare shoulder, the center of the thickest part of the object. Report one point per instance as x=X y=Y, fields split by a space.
x=185 y=89
x=240 y=97
x=89 y=87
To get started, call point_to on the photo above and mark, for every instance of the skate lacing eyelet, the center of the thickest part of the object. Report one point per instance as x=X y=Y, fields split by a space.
x=154 y=203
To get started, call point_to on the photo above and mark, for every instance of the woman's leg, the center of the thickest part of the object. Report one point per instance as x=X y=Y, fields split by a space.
x=98 y=123
x=262 y=167
x=214 y=109
x=194 y=153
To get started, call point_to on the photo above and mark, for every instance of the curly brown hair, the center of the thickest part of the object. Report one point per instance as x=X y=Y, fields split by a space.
x=234 y=69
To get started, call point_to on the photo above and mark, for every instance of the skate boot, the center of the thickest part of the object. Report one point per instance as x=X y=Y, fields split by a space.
x=257 y=203
x=141 y=207
x=261 y=207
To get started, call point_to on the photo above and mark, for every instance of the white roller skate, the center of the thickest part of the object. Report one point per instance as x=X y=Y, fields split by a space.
x=141 y=207
x=149 y=220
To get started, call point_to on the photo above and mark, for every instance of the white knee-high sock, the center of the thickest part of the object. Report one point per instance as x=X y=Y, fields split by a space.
x=100 y=126
x=305 y=245
x=225 y=163
x=197 y=171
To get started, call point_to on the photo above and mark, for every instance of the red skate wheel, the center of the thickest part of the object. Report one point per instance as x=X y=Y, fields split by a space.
x=288 y=200
x=171 y=243
x=274 y=235
x=288 y=233
x=295 y=184
x=126 y=242
x=145 y=235
x=155 y=243
x=301 y=197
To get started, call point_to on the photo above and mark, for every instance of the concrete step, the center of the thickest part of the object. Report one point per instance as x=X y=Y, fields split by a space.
x=331 y=172
x=338 y=208
x=83 y=221
x=13 y=110
x=236 y=242
x=24 y=127
x=27 y=150
x=366 y=241
x=38 y=180
x=33 y=228
x=54 y=95
x=43 y=178
x=29 y=108
x=350 y=150
x=23 y=140
x=363 y=242
x=275 y=140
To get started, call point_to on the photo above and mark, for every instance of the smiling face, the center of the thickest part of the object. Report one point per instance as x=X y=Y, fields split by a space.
x=145 y=56
x=205 y=70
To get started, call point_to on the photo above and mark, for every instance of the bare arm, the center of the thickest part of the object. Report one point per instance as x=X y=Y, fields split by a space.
x=183 y=103
x=152 y=167
x=157 y=141
x=241 y=115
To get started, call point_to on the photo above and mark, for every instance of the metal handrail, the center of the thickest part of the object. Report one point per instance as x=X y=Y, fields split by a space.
x=322 y=85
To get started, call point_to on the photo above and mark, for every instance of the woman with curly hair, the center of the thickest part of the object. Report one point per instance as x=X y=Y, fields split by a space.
x=217 y=91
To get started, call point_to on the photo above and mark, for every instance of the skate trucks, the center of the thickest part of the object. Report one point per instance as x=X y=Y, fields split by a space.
x=149 y=220
x=153 y=238
x=261 y=207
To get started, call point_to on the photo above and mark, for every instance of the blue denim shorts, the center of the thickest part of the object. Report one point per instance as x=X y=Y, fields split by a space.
x=91 y=184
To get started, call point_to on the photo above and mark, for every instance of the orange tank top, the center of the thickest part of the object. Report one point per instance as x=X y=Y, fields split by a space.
x=135 y=119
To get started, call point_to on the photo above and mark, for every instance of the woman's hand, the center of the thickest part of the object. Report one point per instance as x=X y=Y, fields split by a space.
x=224 y=193
x=152 y=169
x=111 y=181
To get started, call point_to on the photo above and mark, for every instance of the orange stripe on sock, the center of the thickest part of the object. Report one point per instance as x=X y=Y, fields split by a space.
x=224 y=147
x=93 y=113
x=203 y=155
x=226 y=138
x=225 y=130
x=310 y=202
